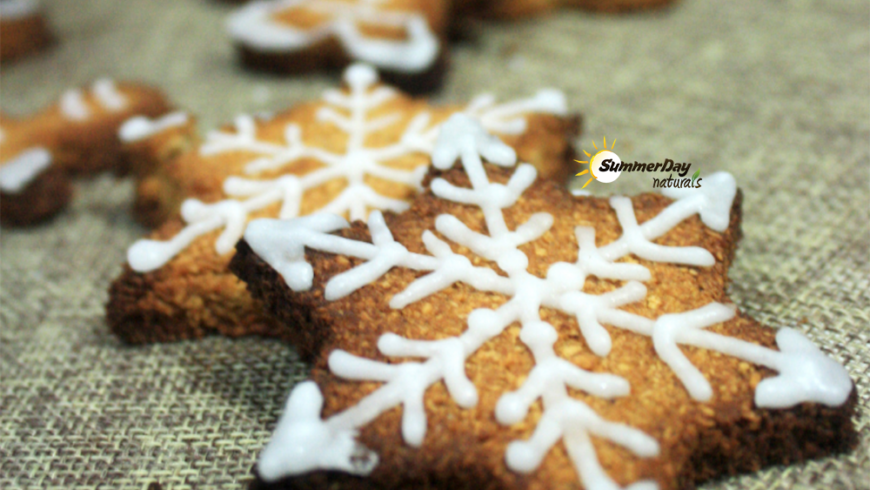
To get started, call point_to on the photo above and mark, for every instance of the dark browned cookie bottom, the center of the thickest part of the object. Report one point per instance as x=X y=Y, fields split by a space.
x=307 y=61
x=137 y=324
x=44 y=198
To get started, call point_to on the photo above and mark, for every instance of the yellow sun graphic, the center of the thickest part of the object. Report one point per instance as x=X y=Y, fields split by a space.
x=595 y=161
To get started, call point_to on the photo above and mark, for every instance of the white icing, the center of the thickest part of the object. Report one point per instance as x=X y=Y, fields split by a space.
x=107 y=94
x=304 y=443
x=714 y=198
x=18 y=173
x=349 y=112
x=18 y=9
x=805 y=374
x=254 y=25
x=73 y=105
x=141 y=128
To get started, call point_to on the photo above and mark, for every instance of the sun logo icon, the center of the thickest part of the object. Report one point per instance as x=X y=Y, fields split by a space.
x=603 y=166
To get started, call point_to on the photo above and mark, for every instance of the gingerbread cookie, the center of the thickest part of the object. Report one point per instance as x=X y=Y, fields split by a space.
x=404 y=39
x=502 y=333
x=23 y=30
x=360 y=148
x=75 y=136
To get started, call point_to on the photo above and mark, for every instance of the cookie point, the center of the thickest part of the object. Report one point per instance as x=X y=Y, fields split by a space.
x=806 y=374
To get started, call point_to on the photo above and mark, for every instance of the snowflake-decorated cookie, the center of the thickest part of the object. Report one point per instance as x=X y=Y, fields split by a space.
x=501 y=333
x=404 y=39
x=23 y=29
x=75 y=136
x=358 y=149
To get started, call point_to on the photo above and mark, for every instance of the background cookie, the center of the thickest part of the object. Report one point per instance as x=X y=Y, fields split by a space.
x=503 y=334
x=404 y=39
x=23 y=29
x=361 y=148
x=76 y=136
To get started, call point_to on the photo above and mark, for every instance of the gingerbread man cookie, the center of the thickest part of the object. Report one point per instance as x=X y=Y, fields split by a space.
x=502 y=333
x=76 y=136
x=23 y=30
x=360 y=148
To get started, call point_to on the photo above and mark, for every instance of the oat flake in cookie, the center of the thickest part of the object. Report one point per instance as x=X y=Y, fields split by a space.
x=360 y=148
x=501 y=333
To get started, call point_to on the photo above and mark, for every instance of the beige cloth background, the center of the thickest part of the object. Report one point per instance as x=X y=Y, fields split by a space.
x=776 y=92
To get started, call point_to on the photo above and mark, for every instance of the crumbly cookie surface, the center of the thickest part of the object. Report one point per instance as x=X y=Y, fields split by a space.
x=712 y=392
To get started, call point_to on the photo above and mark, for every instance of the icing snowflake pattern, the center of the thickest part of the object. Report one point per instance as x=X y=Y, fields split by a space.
x=254 y=25
x=805 y=374
x=248 y=195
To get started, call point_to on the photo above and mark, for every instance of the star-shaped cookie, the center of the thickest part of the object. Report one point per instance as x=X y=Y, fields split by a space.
x=502 y=333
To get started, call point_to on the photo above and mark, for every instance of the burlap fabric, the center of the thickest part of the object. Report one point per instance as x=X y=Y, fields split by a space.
x=778 y=93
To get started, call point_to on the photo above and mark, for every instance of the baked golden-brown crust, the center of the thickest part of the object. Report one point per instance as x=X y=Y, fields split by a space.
x=195 y=293
x=78 y=147
x=23 y=36
x=465 y=448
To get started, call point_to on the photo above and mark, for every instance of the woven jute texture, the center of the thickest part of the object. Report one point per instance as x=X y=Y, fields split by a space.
x=778 y=93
